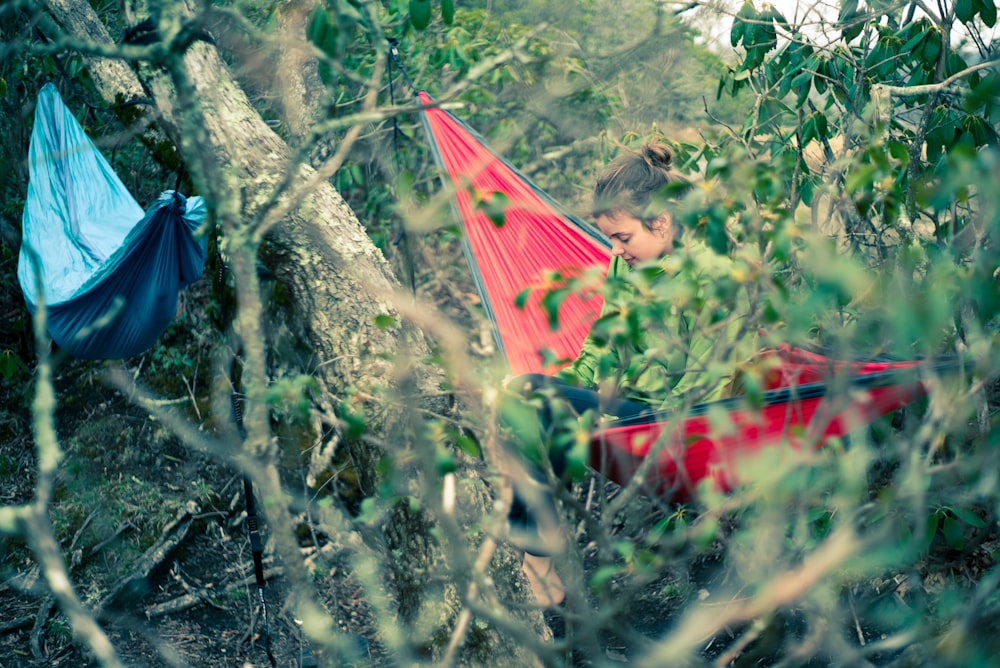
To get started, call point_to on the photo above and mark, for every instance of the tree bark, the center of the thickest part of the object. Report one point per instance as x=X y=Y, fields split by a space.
x=111 y=76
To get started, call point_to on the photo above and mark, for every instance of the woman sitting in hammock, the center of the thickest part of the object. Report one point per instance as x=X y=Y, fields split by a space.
x=667 y=338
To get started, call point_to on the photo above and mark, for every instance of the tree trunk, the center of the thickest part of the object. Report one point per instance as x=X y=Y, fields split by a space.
x=339 y=289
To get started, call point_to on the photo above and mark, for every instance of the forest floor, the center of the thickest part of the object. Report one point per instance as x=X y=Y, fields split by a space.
x=155 y=534
x=124 y=489
x=127 y=489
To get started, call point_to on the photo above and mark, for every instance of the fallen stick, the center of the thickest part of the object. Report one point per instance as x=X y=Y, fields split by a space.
x=134 y=585
x=18 y=623
x=190 y=600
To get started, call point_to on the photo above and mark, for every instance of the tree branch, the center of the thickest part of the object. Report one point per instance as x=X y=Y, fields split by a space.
x=926 y=89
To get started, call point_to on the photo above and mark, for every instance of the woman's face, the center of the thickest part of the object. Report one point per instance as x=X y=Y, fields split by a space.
x=634 y=241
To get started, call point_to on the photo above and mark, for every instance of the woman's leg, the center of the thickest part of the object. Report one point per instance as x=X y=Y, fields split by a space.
x=533 y=516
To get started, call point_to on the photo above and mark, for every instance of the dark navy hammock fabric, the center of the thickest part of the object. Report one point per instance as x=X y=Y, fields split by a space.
x=108 y=273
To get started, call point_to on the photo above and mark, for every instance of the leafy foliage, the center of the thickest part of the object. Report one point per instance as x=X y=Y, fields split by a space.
x=855 y=134
x=855 y=211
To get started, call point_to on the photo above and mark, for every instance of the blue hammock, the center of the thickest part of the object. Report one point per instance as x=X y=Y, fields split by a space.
x=108 y=273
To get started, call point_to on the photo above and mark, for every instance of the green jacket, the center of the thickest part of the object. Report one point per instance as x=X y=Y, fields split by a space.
x=671 y=333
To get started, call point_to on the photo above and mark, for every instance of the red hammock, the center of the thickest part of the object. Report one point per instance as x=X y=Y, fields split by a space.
x=536 y=237
x=799 y=411
x=539 y=236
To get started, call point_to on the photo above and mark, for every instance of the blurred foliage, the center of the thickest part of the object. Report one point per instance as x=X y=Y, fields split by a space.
x=866 y=227
x=862 y=221
x=857 y=219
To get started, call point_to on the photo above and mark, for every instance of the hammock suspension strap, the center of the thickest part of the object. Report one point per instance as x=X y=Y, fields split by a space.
x=253 y=523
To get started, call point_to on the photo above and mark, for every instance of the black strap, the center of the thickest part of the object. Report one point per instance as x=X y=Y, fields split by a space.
x=257 y=550
x=177 y=187
x=253 y=523
x=400 y=238
x=394 y=55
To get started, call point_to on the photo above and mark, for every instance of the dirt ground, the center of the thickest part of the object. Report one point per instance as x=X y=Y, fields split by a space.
x=199 y=606
x=122 y=487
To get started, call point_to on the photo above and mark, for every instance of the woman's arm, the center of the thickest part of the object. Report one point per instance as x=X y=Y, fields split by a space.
x=584 y=370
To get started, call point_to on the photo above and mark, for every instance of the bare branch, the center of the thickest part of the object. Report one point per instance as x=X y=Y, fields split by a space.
x=926 y=89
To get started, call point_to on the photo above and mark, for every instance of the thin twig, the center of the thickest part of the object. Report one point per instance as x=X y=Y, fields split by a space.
x=462 y=625
x=38 y=630
x=925 y=89
x=748 y=636
x=122 y=528
x=18 y=623
x=191 y=599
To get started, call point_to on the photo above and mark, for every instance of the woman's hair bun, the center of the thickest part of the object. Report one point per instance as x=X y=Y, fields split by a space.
x=633 y=180
x=657 y=155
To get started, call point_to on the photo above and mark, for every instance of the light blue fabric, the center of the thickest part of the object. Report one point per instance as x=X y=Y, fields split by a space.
x=108 y=273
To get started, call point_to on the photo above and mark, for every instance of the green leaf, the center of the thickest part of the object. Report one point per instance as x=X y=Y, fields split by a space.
x=853 y=29
x=740 y=30
x=445 y=462
x=914 y=41
x=802 y=83
x=988 y=12
x=384 y=321
x=853 y=26
x=717 y=236
x=550 y=303
x=448 y=11
x=468 y=445
x=317 y=27
x=420 y=13
x=806 y=188
x=736 y=34
x=354 y=424
x=404 y=184
x=956 y=63
x=968 y=516
x=980 y=131
x=494 y=205
x=705 y=531
x=848 y=8
x=522 y=298
x=859 y=178
x=603 y=576
x=899 y=151
x=932 y=49
x=370 y=513
x=10 y=364
x=964 y=10
x=357 y=176
x=808 y=130
x=954 y=532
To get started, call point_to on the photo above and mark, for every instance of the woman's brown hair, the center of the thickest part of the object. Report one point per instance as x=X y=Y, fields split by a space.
x=635 y=183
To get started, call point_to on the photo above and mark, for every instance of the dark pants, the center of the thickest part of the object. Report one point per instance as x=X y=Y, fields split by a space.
x=575 y=399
